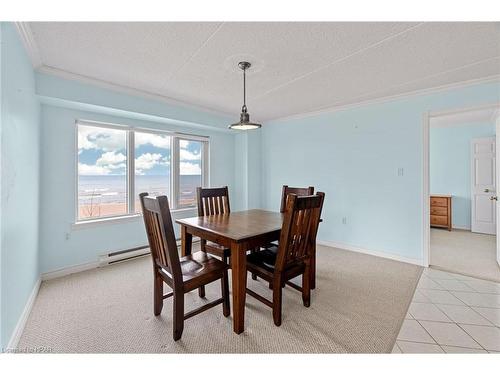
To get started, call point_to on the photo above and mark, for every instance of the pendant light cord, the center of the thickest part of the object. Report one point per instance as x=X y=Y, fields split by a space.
x=244 y=89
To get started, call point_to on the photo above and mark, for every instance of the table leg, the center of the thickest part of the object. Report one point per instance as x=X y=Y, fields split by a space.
x=239 y=276
x=186 y=241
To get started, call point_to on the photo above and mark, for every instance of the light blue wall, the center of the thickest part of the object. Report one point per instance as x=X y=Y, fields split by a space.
x=61 y=244
x=450 y=166
x=248 y=169
x=20 y=180
x=353 y=156
x=73 y=93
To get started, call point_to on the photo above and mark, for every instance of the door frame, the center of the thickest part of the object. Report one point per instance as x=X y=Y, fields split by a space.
x=426 y=125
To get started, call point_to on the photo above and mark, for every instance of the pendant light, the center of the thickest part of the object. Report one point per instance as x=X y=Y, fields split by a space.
x=244 y=123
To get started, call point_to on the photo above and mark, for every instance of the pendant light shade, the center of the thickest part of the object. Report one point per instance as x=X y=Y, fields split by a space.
x=244 y=123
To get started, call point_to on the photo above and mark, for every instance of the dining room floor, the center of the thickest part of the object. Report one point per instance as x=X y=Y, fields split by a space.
x=358 y=306
x=451 y=313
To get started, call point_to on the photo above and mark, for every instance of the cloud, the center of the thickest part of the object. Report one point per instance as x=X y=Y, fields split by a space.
x=108 y=163
x=161 y=141
x=110 y=158
x=188 y=155
x=92 y=170
x=90 y=137
x=186 y=168
x=185 y=154
x=148 y=161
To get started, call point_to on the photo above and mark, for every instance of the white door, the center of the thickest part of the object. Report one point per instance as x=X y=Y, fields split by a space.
x=483 y=191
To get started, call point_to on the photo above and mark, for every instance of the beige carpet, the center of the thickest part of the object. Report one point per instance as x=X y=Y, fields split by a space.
x=466 y=253
x=358 y=307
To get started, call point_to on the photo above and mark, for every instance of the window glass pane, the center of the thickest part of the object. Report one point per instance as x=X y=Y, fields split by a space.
x=152 y=165
x=189 y=171
x=102 y=172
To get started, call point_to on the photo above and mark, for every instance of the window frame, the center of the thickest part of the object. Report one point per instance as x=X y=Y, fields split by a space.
x=130 y=170
x=176 y=175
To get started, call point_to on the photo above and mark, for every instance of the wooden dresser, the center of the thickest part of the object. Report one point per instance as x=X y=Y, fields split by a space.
x=441 y=211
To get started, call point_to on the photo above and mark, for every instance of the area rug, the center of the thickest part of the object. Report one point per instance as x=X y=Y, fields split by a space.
x=358 y=307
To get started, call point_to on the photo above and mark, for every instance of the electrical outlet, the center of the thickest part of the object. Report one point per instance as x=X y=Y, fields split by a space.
x=67 y=236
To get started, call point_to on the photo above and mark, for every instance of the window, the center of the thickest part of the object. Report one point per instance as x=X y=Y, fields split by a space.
x=152 y=165
x=190 y=167
x=116 y=163
x=102 y=172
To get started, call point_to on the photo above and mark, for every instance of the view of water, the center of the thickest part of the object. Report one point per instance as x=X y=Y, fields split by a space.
x=113 y=189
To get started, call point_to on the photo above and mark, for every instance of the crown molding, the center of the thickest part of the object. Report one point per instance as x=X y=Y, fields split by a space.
x=388 y=98
x=128 y=90
x=24 y=30
x=496 y=115
x=28 y=40
x=29 y=43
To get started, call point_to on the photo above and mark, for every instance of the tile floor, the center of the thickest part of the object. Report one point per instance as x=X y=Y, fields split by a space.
x=451 y=313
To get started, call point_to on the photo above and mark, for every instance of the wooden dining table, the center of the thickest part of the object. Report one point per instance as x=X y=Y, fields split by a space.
x=239 y=231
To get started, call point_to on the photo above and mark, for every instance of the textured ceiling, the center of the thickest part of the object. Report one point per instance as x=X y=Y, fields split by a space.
x=299 y=67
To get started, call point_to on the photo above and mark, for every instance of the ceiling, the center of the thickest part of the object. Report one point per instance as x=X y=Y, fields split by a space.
x=299 y=67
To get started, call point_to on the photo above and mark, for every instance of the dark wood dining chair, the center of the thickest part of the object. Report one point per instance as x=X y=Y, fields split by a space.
x=214 y=201
x=299 y=191
x=182 y=274
x=294 y=255
x=284 y=193
x=293 y=190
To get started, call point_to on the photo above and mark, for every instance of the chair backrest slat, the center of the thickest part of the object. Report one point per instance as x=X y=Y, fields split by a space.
x=213 y=201
x=161 y=237
x=299 y=230
x=294 y=190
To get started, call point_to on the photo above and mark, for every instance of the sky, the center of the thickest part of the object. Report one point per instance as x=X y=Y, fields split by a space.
x=102 y=151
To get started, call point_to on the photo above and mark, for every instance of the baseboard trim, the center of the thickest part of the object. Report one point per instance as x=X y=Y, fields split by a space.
x=82 y=267
x=69 y=270
x=377 y=253
x=21 y=323
x=460 y=227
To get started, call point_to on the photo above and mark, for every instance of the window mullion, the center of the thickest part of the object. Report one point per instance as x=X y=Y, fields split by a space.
x=174 y=172
x=205 y=165
x=131 y=171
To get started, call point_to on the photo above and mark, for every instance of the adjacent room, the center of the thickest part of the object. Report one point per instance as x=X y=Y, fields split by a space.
x=463 y=192
x=249 y=187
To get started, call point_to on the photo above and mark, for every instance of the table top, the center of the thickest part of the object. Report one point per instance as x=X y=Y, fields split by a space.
x=237 y=225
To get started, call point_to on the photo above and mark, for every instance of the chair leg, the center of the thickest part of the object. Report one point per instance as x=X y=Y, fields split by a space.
x=157 y=293
x=254 y=276
x=226 y=259
x=201 y=291
x=277 y=297
x=313 y=269
x=178 y=315
x=306 y=286
x=226 y=309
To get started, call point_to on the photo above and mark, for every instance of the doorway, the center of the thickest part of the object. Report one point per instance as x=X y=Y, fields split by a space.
x=461 y=227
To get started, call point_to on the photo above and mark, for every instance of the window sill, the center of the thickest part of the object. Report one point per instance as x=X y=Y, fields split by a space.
x=119 y=219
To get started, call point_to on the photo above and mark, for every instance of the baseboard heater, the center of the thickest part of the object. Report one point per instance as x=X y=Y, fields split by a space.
x=123 y=255
x=128 y=254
